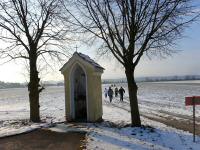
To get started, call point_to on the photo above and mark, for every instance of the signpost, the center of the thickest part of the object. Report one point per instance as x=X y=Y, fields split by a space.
x=194 y=100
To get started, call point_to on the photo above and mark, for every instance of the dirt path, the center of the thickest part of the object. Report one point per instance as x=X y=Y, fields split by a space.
x=44 y=140
x=177 y=121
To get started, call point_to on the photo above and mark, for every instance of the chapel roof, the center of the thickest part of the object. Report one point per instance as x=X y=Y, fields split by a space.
x=87 y=59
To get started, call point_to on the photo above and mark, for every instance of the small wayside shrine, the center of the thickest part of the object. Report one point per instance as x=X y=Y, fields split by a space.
x=83 y=92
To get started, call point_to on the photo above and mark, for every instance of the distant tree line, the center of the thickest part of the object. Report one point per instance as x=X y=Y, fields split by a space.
x=154 y=79
x=109 y=81
x=171 y=78
x=4 y=85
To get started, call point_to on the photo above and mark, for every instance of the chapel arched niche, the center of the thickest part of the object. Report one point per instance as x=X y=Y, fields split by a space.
x=79 y=95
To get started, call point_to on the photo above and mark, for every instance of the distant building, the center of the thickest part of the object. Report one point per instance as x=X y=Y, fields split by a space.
x=83 y=92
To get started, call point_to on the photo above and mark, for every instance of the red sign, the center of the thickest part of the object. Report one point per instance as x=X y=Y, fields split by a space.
x=194 y=100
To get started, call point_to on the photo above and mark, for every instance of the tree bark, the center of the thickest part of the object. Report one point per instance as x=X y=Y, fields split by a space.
x=33 y=88
x=132 y=89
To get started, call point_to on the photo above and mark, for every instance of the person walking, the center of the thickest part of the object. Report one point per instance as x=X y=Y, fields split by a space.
x=116 y=92
x=121 y=93
x=110 y=94
x=105 y=92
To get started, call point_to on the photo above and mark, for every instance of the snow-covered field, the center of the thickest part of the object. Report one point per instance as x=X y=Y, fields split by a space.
x=14 y=103
x=154 y=99
x=165 y=96
x=152 y=135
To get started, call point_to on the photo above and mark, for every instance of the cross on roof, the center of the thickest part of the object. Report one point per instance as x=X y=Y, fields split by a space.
x=76 y=48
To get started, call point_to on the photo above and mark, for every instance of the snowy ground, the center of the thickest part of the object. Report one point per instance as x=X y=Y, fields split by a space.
x=164 y=100
x=154 y=99
x=165 y=96
x=14 y=109
x=153 y=135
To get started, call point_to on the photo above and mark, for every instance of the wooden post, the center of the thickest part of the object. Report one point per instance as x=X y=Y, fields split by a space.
x=193 y=101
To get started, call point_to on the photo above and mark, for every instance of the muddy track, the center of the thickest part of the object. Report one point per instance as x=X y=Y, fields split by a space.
x=176 y=123
x=47 y=140
x=175 y=120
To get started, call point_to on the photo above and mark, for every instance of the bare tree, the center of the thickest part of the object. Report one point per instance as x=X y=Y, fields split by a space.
x=131 y=28
x=32 y=30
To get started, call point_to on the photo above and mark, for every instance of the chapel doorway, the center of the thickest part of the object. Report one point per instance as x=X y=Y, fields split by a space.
x=80 y=103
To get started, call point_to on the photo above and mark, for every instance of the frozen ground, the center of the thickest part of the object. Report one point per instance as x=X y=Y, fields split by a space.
x=152 y=135
x=164 y=100
x=155 y=99
x=165 y=96
x=112 y=135
x=14 y=109
x=15 y=104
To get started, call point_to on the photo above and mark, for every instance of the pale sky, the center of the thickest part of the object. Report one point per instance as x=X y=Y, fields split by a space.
x=186 y=62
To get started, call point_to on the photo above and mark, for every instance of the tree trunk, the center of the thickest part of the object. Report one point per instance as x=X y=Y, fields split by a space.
x=33 y=88
x=132 y=89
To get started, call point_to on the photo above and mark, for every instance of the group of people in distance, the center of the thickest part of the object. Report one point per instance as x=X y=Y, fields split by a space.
x=109 y=92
